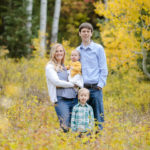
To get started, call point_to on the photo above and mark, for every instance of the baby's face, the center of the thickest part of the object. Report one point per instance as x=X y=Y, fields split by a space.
x=75 y=56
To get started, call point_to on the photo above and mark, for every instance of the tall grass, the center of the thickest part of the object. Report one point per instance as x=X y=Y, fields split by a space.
x=28 y=119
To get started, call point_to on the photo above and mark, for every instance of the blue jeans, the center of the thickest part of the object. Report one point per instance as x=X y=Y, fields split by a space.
x=96 y=101
x=63 y=109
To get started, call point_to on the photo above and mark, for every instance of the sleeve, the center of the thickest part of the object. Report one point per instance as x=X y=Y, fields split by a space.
x=73 y=120
x=76 y=80
x=68 y=66
x=77 y=66
x=91 y=118
x=51 y=75
x=102 y=67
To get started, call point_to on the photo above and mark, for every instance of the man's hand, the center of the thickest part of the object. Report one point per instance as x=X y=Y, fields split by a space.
x=99 y=88
x=54 y=104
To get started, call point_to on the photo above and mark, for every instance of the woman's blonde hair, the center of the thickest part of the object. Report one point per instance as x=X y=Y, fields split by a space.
x=53 y=59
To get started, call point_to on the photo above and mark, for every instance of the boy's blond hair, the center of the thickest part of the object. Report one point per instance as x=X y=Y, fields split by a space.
x=84 y=90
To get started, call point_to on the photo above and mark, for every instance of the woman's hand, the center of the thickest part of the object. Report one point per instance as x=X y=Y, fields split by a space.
x=76 y=86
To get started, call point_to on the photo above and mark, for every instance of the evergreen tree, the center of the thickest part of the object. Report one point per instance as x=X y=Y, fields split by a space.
x=15 y=35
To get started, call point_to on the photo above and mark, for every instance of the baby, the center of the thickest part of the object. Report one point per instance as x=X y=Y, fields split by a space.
x=75 y=69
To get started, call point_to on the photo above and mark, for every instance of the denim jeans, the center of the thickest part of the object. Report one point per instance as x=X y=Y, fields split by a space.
x=63 y=109
x=96 y=101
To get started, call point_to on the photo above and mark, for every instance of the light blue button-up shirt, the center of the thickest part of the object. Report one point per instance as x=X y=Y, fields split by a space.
x=94 y=65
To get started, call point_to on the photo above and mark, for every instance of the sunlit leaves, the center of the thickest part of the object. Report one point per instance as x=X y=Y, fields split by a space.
x=126 y=26
x=28 y=120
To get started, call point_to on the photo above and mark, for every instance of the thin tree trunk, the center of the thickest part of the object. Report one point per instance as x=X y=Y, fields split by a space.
x=144 y=53
x=144 y=63
x=55 y=21
x=105 y=2
x=29 y=6
x=43 y=21
x=29 y=12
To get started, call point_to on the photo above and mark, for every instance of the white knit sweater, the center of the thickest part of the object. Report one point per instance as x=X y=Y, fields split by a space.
x=53 y=81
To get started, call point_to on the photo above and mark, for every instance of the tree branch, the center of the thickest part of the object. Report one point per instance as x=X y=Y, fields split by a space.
x=144 y=63
x=147 y=40
x=139 y=53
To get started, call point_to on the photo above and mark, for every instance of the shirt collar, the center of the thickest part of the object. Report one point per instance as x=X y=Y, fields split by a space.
x=86 y=105
x=89 y=47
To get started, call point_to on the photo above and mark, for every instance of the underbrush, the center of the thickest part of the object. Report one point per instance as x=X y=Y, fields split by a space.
x=28 y=119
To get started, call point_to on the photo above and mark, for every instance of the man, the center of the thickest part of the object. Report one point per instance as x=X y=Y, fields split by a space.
x=94 y=70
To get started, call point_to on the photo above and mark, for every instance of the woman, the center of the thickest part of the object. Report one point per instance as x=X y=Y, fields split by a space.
x=61 y=92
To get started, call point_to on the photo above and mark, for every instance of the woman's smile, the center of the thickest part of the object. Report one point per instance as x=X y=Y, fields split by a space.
x=59 y=54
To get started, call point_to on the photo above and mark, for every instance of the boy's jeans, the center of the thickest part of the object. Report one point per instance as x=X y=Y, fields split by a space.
x=64 y=109
x=96 y=101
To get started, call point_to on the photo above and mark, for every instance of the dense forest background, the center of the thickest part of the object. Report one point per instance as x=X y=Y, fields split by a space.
x=27 y=30
x=14 y=17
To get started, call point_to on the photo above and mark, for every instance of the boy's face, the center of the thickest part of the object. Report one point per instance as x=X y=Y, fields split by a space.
x=85 y=34
x=83 y=97
x=75 y=56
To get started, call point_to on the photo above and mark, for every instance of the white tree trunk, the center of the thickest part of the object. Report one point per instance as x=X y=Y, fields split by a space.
x=29 y=12
x=43 y=21
x=144 y=63
x=105 y=2
x=55 y=21
x=144 y=53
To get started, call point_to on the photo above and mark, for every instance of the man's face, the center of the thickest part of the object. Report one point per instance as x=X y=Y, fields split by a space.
x=85 y=34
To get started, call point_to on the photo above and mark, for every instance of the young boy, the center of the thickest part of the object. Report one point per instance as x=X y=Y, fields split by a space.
x=75 y=69
x=82 y=119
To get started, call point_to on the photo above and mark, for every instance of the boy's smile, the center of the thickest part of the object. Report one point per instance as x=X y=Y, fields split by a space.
x=83 y=97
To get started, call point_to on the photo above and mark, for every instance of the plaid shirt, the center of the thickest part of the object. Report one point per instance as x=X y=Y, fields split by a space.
x=82 y=118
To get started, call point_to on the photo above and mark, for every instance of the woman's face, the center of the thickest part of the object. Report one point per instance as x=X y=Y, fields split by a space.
x=59 y=54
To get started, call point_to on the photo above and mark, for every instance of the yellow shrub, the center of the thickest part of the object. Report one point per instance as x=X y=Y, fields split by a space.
x=30 y=122
x=12 y=91
x=4 y=124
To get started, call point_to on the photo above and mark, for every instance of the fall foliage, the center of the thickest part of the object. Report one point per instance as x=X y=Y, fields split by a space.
x=126 y=32
x=30 y=121
x=27 y=117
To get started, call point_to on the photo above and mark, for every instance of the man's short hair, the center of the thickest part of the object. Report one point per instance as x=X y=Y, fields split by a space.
x=86 y=25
